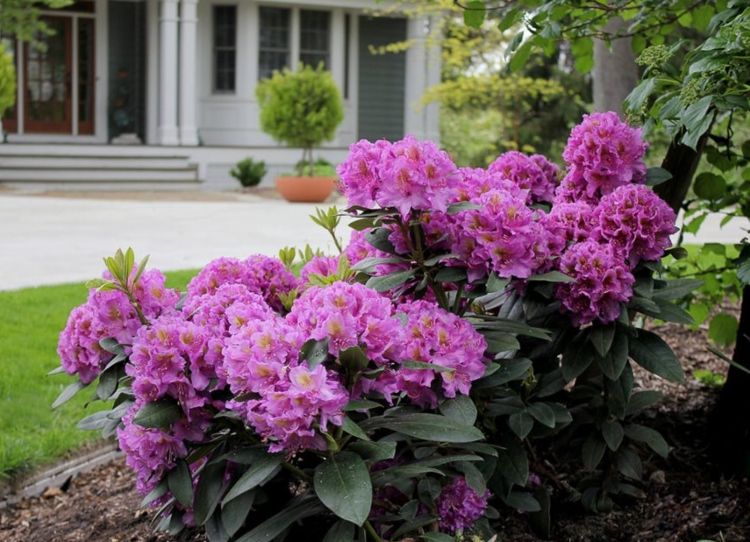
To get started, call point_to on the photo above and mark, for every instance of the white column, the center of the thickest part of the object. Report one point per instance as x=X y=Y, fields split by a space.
x=188 y=65
x=422 y=72
x=294 y=43
x=152 y=72
x=168 y=74
x=337 y=48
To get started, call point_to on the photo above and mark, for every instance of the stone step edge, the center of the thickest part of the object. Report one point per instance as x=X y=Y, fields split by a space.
x=57 y=475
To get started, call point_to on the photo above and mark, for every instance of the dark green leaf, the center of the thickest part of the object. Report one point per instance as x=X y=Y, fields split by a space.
x=208 y=491
x=353 y=429
x=315 y=352
x=235 y=512
x=255 y=475
x=155 y=493
x=425 y=366
x=613 y=434
x=112 y=346
x=181 y=483
x=649 y=436
x=107 y=383
x=430 y=427
x=161 y=413
x=653 y=354
x=592 y=452
x=521 y=423
x=378 y=237
x=542 y=413
x=389 y=282
x=522 y=500
x=614 y=362
x=643 y=399
x=68 y=393
x=450 y=274
x=343 y=484
x=460 y=409
x=512 y=462
x=368 y=265
x=275 y=525
x=576 y=360
x=361 y=404
x=709 y=186
x=656 y=175
x=601 y=337
x=354 y=359
x=342 y=531
x=374 y=451
x=628 y=463
x=513 y=369
x=552 y=276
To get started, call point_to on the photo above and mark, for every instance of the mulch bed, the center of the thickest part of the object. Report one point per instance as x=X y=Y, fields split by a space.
x=685 y=499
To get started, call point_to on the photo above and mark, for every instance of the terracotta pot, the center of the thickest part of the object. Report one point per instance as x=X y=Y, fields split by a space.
x=305 y=189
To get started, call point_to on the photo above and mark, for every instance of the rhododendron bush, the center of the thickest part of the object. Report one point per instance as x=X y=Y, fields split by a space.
x=413 y=385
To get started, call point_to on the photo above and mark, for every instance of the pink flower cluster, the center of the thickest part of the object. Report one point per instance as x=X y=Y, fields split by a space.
x=348 y=315
x=534 y=174
x=602 y=282
x=437 y=337
x=319 y=265
x=636 y=222
x=109 y=314
x=503 y=235
x=261 y=274
x=408 y=175
x=459 y=506
x=602 y=153
x=291 y=404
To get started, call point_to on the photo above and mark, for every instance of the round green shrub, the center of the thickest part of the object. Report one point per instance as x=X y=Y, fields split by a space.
x=300 y=108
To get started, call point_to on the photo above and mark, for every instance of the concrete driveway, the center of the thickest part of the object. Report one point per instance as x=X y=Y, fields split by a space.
x=49 y=240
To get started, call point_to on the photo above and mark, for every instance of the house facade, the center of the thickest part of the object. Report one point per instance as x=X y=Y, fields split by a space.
x=163 y=79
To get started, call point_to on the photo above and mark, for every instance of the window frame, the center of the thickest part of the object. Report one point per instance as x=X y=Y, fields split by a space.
x=216 y=49
x=289 y=49
x=329 y=36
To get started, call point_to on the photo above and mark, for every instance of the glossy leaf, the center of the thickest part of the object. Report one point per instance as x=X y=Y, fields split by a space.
x=342 y=483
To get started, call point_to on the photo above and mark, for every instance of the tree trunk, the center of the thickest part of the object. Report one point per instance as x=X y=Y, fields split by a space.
x=615 y=71
x=681 y=161
x=729 y=426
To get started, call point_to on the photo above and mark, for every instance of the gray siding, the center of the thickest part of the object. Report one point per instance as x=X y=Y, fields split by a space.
x=381 y=79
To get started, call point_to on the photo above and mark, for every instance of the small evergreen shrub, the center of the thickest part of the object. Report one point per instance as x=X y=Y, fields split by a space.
x=249 y=172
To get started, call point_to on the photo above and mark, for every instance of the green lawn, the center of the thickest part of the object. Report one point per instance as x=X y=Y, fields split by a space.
x=31 y=433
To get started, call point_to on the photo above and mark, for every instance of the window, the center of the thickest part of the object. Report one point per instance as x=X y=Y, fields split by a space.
x=314 y=37
x=225 y=48
x=274 y=48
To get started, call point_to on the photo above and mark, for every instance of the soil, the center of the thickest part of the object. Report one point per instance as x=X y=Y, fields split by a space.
x=685 y=498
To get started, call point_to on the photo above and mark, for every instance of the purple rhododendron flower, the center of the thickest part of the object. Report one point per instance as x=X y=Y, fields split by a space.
x=533 y=174
x=459 y=506
x=636 y=222
x=602 y=282
x=319 y=265
x=262 y=275
x=602 y=153
x=576 y=220
x=434 y=335
x=409 y=175
x=348 y=315
x=110 y=314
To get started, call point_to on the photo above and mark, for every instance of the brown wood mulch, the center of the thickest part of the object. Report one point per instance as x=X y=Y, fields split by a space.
x=686 y=499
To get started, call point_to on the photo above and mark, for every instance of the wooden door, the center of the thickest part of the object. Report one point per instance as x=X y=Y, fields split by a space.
x=48 y=80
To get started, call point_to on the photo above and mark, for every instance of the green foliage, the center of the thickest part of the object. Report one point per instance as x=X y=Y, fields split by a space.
x=249 y=172
x=300 y=108
x=709 y=378
x=7 y=81
x=20 y=18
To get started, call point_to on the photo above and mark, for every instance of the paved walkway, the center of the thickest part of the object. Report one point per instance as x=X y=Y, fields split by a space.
x=49 y=240
x=45 y=240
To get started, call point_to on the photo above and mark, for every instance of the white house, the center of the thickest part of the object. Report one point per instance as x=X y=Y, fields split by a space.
x=146 y=91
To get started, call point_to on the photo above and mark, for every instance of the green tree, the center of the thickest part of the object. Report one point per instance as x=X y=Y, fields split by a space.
x=20 y=18
x=300 y=108
x=694 y=87
x=7 y=81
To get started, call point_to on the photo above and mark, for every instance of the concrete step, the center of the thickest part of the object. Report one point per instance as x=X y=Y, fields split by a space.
x=67 y=175
x=92 y=162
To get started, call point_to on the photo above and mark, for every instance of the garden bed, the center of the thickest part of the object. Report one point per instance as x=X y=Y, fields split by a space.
x=685 y=498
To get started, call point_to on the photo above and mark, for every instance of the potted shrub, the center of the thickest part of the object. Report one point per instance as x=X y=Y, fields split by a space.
x=302 y=109
x=249 y=172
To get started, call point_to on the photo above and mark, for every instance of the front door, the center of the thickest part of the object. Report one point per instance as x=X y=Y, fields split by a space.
x=48 y=80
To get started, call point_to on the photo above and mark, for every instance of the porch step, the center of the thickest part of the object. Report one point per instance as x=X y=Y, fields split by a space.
x=40 y=166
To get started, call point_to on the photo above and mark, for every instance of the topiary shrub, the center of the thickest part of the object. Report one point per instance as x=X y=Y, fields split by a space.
x=249 y=172
x=301 y=108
